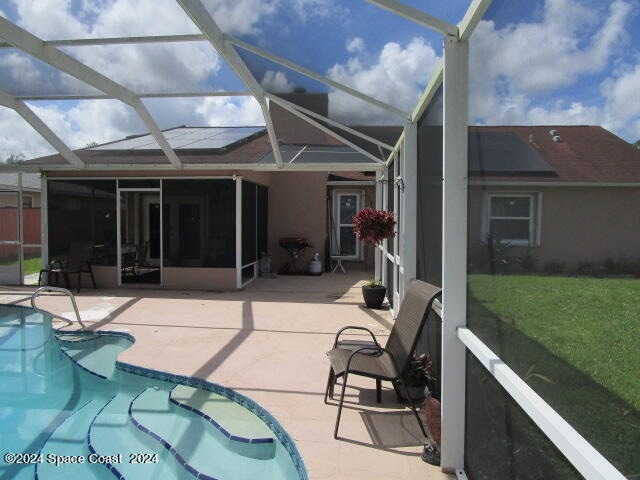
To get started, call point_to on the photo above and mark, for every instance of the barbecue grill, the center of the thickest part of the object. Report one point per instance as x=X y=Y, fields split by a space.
x=294 y=246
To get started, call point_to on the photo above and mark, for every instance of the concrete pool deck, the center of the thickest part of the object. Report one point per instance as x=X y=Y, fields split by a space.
x=269 y=343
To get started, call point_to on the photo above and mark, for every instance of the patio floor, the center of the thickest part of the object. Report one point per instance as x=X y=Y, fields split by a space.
x=268 y=342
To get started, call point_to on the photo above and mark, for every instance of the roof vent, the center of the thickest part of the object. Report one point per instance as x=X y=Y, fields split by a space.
x=557 y=139
x=553 y=133
x=531 y=138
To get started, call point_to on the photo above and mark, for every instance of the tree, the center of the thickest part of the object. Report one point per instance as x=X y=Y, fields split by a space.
x=14 y=159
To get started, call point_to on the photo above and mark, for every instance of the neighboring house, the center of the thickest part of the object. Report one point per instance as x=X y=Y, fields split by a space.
x=542 y=189
x=30 y=189
x=10 y=227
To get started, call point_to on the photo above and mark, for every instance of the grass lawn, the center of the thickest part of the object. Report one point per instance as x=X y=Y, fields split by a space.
x=593 y=324
x=575 y=341
x=31 y=265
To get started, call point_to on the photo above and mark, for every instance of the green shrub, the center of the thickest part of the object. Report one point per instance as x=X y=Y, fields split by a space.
x=554 y=267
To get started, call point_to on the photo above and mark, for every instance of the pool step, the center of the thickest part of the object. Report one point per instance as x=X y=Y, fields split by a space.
x=112 y=434
x=95 y=354
x=235 y=422
x=202 y=449
x=70 y=440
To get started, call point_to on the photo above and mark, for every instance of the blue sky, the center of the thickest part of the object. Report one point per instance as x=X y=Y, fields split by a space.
x=532 y=62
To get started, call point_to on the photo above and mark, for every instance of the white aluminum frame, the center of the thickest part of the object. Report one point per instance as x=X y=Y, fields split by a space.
x=586 y=459
x=453 y=74
x=454 y=249
x=238 y=181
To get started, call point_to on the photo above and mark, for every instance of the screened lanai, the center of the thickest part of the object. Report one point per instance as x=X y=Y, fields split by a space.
x=378 y=86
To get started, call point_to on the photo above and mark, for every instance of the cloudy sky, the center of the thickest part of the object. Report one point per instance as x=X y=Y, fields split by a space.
x=536 y=62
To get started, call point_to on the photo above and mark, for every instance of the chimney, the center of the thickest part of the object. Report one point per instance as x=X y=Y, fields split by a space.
x=292 y=129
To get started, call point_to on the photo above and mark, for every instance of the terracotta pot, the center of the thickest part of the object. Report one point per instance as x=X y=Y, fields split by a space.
x=373 y=296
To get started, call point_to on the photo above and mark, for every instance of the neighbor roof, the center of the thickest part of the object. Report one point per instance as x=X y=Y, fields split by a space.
x=578 y=154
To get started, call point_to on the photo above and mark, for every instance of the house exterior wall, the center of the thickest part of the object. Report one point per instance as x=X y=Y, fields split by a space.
x=297 y=208
x=576 y=223
x=199 y=278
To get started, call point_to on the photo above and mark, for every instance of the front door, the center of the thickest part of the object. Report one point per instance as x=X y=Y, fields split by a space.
x=344 y=241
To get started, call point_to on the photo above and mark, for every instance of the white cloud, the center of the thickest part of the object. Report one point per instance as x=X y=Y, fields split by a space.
x=623 y=105
x=143 y=67
x=18 y=137
x=240 y=17
x=355 y=45
x=224 y=111
x=276 y=82
x=21 y=70
x=326 y=9
x=540 y=57
x=90 y=121
x=516 y=67
x=398 y=78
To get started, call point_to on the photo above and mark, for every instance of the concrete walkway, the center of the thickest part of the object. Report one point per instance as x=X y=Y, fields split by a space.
x=268 y=342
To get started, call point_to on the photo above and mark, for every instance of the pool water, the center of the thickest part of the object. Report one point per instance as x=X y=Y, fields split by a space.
x=67 y=411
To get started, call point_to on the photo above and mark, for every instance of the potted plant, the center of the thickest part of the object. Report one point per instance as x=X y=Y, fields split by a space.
x=372 y=227
x=373 y=293
x=419 y=375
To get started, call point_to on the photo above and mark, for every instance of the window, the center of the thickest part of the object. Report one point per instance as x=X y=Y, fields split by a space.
x=513 y=218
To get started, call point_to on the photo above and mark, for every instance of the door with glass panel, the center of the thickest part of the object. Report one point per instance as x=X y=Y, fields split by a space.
x=345 y=242
x=10 y=271
x=140 y=239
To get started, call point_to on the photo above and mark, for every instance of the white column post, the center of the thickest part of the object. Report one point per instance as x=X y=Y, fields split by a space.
x=454 y=249
x=20 y=230
x=44 y=222
x=409 y=210
x=238 y=232
x=377 y=253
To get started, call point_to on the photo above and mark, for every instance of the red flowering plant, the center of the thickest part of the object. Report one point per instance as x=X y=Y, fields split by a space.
x=373 y=226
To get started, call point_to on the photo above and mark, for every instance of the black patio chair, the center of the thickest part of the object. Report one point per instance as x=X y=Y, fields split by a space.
x=78 y=261
x=389 y=363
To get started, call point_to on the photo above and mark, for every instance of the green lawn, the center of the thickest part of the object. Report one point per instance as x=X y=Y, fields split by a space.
x=593 y=324
x=31 y=265
x=575 y=341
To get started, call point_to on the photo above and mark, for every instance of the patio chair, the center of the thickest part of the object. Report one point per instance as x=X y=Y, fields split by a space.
x=78 y=261
x=389 y=363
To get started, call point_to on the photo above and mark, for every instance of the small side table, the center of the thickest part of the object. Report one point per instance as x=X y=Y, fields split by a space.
x=338 y=264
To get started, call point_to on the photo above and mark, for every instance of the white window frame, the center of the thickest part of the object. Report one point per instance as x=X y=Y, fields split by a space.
x=359 y=194
x=534 y=217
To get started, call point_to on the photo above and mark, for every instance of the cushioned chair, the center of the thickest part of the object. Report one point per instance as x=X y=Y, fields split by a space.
x=390 y=363
x=78 y=261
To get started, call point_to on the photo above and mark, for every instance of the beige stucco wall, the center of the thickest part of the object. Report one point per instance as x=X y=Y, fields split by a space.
x=576 y=223
x=297 y=208
x=199 y=278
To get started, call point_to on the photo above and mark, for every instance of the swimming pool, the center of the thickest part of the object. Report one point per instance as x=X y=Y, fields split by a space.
x=69 y=410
